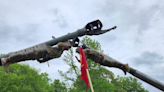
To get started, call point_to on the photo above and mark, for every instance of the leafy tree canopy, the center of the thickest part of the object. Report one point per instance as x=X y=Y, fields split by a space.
x=23 y=78
x=103 y=80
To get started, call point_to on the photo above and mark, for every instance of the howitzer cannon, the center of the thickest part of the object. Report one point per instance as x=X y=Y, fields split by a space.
x=44 y=51
x=105 y=60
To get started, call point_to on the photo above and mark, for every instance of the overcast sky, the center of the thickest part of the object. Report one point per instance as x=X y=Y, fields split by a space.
x=138 y=39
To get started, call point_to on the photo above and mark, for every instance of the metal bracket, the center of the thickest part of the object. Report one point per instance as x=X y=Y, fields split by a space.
x=94 y=28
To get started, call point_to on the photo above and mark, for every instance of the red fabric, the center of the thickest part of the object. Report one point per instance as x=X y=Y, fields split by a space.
x=84 y=66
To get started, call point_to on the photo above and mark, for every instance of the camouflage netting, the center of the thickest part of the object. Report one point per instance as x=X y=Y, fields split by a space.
x=32 y=53
x=104 y=59
x=40 y=52
x=52 y=52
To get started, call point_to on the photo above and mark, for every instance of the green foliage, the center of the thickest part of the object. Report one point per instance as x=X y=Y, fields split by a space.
x=23 y=78
x=1 y=54
x=92 y=43
x=129 y=84
x=103 y=80
x=68 y=58
x=100 y=76
x=59 y=86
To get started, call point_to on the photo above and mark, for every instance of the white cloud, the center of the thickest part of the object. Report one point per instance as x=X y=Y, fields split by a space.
x=139 y=28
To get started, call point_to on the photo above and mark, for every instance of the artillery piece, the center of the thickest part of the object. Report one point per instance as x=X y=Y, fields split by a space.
x=44 y=52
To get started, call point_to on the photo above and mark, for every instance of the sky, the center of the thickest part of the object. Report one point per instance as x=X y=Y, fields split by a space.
x=138 y=39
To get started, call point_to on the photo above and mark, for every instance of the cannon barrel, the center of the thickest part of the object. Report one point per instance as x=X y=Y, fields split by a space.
x=147 y=79
x=108 y=62
x=92 y=28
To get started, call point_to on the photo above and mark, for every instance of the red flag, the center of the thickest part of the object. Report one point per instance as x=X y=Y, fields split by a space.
x=84 y=66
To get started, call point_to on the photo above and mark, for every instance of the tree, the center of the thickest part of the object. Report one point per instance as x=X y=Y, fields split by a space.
x=100 y=76
x=59 y=86
x=129 y=84
x=23 y=78
x=103 y=80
